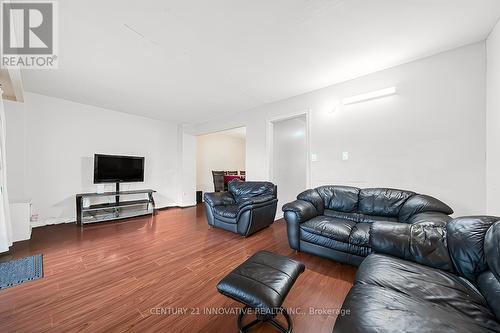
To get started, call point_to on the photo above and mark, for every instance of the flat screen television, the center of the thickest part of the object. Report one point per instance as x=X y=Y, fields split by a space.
x=118 y=169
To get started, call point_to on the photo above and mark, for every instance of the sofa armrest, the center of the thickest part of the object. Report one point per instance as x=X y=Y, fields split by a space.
x=430 y=218
x=421 y=243
x=219 y=198
x=312 y=196
x=256 y=200
x=303 y=210
x=297 y=212
x=422 y=203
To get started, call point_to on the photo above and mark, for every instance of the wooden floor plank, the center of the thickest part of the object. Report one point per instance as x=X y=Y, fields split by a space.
x=132 y=276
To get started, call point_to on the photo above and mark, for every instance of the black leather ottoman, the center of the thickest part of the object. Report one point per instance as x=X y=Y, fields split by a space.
x=262 y=283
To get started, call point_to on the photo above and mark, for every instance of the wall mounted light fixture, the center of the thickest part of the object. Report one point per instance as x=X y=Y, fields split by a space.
x=368 y=96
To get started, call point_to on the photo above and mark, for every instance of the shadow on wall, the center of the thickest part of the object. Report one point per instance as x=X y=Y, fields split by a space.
x=67 y=212
x=87 y=168
x=66 y=208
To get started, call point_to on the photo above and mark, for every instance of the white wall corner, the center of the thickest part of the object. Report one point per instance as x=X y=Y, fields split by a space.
x=493 y=121
x=186 y=181
x=52 y=220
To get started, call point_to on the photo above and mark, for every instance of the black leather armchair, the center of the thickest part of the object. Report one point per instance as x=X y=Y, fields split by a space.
x=335 y=221
x=425 y=278
x=245 y=209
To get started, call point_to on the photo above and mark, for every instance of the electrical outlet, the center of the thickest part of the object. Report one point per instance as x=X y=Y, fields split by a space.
x=345 y=156
x=314 y=157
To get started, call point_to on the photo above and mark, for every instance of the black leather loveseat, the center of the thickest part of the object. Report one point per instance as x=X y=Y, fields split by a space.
x=427 y=278
x=334 y=221
x=245 y=209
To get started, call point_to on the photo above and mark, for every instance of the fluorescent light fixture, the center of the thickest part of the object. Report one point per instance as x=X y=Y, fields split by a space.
x=369 y=96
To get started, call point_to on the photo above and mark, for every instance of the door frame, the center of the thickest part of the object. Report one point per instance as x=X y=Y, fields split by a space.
x=270 y=142
x=213 y=131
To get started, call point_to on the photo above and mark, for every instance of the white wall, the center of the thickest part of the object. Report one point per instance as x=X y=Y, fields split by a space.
x=50 y=148
x=186 y=167
x=16 y=150
x=220 y=152
x=493 y=122
x=429 y=138
x=289 y=158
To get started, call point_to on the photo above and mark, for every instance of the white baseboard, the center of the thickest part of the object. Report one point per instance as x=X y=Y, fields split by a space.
x=61 y=220
x=52 y=220
x=187 y=204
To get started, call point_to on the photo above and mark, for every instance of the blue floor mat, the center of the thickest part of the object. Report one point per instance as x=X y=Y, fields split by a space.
x=22 y=270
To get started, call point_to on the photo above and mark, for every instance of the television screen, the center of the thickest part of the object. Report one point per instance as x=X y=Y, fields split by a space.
x=118 y=169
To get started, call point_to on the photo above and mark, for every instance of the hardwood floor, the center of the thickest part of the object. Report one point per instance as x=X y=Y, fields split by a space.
x=141 y=275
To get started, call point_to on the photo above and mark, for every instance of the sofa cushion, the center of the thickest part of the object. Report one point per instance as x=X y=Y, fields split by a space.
x=357 y=217
x=421 y=203
x=375 y=309
x=360 y=234
x=243 y=191
x=339 y=198
x=382 y=201
x=492 y=249
x=490 y=288
x=333 y=244
x=401 y=296
x=466 y=237
x=219 y=199
x=342 y=215
x=421 y=243
x=363 y=218
x=229 y=211
x=337 y=229
x=423 y=282
x=489 y=282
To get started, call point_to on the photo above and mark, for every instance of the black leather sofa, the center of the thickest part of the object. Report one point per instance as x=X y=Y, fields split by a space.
x=334 y=221
x=427 y=278
x=245 y=209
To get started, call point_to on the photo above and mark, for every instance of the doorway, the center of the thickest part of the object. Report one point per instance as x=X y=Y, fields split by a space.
x=223 y=153
x=289 y=157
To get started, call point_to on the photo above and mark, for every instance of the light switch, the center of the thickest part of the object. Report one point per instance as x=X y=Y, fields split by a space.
x=314 y=157
x=345 y=155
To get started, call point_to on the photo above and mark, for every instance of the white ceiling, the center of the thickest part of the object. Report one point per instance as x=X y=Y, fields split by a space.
x=238 y=133
x=6 y=85
x=190 y=61
x=234 y=133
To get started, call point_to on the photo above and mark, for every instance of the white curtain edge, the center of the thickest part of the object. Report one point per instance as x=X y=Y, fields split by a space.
x=5 y=221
